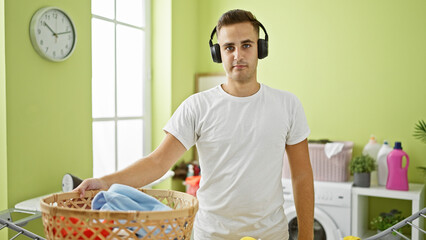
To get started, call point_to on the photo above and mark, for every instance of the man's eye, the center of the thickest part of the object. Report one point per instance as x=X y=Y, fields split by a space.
x=230 y=48
x=246 y=45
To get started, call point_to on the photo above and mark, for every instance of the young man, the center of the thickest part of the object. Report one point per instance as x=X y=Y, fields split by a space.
x=242 y=129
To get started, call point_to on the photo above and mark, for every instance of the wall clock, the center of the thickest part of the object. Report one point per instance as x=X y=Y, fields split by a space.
x=53 y=34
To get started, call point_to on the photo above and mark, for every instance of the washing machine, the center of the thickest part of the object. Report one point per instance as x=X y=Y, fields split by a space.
x=332 y=210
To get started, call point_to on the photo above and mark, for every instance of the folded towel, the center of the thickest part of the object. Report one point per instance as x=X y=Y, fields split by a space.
x=332 y=149
x=124 y=198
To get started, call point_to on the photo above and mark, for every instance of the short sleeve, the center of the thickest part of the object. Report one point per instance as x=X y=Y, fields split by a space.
x=182 y=124
x=299 y=129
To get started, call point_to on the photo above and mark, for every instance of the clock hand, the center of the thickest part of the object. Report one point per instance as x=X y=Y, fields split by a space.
x=54 y=34
x=63 y=33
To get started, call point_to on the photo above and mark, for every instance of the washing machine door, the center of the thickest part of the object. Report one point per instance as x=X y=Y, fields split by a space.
x=324 y=226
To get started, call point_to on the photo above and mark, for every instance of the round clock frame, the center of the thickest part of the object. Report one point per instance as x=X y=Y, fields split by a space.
x=53 y=34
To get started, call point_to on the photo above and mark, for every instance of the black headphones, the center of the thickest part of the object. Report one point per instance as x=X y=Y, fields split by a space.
x=262 y=46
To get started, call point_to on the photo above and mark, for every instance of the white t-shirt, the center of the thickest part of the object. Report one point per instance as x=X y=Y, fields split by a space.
x=241 y=144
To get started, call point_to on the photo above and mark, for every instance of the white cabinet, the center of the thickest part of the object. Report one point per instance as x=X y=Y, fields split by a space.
x=360 y=206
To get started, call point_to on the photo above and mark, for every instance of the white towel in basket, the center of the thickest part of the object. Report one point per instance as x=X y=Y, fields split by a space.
x=331 y=149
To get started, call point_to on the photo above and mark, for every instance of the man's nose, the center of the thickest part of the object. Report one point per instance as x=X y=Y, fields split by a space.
x=237 y=54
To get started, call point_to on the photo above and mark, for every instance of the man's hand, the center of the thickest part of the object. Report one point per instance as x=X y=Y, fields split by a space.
x=91 y=184
x=141 y=172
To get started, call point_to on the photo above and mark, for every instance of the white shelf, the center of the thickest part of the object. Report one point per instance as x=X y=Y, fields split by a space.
x=360 y=206
x=380 y=191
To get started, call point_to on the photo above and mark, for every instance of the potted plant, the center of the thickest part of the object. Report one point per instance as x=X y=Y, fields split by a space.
x=420 y=133
x=385 y=221
x=361 y=167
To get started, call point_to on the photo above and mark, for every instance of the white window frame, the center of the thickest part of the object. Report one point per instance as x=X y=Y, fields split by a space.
x=146 y=82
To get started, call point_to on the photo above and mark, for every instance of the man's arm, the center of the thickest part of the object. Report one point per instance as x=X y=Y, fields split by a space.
x=303 y=188
x=143 y=171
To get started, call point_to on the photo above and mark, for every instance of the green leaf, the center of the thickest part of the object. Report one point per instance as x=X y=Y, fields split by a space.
x=420 y=131
x=361 y=164
x=386 y=220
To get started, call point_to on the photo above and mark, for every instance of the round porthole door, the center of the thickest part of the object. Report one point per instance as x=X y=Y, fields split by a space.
x=324 y=226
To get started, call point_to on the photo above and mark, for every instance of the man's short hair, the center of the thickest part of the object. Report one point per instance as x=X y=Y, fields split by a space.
x=237 y=16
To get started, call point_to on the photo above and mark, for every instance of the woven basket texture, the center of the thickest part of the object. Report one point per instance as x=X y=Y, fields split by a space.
x=335 y=169
x=69 y=216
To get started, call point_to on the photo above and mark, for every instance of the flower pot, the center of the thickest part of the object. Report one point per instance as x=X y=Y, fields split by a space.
x=362 y=179
x=390 y=236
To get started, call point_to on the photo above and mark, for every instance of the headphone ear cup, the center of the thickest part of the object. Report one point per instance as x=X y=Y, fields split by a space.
x=215 y=51
x=262 y=48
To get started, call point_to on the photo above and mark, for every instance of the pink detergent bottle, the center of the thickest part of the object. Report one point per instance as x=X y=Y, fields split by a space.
x=397 y=176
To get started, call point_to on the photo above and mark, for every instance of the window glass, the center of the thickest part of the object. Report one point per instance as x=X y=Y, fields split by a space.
x=130 y=142
x=103 y=148
x=103 y=70
x=129 y=71
x=118 y=79
x=129 y=11
x=103 y=8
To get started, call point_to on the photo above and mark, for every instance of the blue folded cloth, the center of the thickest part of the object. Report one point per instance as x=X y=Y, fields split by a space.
x=125 y=198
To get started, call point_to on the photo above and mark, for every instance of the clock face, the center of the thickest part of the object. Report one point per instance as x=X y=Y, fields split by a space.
x=53 y=34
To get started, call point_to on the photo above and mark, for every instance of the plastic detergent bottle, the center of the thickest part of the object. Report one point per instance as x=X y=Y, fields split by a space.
x=190 y=170
x=382 y=164
x=397 y=176
x=372 y=148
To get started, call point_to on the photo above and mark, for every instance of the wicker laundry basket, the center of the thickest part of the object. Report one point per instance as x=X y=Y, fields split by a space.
x=335 y=169
x=68 y=216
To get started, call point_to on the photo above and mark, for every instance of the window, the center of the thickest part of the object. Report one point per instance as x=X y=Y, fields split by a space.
x=120 y=83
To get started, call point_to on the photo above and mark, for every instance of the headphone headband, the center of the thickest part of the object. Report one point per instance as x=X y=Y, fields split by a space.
x=260 y=25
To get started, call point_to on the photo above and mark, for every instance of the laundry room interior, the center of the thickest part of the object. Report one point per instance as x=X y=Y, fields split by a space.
x=357 y=67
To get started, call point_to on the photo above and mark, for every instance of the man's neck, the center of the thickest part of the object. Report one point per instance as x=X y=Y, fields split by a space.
x=239 y=89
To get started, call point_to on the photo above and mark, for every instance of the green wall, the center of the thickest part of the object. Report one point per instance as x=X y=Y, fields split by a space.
x=174 y=61
x=161 y=67
x=184 y=52
x=161 y=75
x=3 y=154
x=174 y=53
x=48 y=108
x=185 y=42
